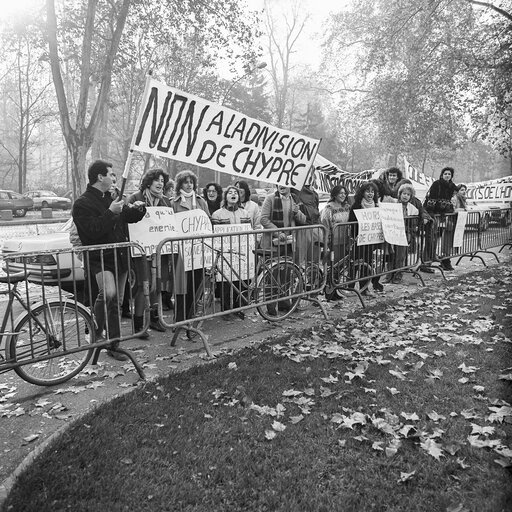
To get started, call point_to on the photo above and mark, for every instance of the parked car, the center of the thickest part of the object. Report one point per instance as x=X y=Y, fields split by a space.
x=45 y=266
x=63 y=268
x=19 y=205
x=48 y=199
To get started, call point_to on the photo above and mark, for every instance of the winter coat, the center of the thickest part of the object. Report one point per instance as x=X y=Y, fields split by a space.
x=180 y=276
x=270 y=215
x=333 y=215
x=97 y=224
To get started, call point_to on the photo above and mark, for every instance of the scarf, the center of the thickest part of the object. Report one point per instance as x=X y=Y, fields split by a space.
x=151 y=199
x=277 y=211
x=367 y=204
x=188 y=195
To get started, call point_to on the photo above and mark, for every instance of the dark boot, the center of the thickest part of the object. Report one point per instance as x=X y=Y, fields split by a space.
x=154 y=321
x=138 y=325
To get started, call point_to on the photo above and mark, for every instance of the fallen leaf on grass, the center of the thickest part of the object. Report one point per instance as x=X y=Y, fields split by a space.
x=127 y=461
x=467 y=369
x=30 y=438
x=393 y=391
x=404 y=477
x=483 y=443
x=432 y=448
x=484 y=431
x=435 y=417
x=504 y=463
x=377 y=445
x=399 y=374
x=292 y=392
x=296 y=419
x=278 y=426
x=499 y=413
x=410 y=416
x=270 y=434
x=462 y=463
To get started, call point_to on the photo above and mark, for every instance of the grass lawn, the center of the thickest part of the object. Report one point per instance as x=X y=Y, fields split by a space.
x=401 y=407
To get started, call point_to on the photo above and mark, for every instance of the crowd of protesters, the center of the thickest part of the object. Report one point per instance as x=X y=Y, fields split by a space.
x=100 y=216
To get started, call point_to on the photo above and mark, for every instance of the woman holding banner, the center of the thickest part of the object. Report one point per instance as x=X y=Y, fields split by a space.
x=151 y=192
x=187 y=283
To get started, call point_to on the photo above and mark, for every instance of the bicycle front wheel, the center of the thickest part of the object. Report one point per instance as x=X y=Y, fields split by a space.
x=51 y=331
x=279 y=280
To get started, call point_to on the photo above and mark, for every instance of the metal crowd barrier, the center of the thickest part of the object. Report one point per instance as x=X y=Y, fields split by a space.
x=480 y=234
x=233 y=271
x=352 y=263
x=60 y=277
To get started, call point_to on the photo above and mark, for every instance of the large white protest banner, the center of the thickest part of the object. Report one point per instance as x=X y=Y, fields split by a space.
x=393 y=223
x=175 y=124
x=160 y=223
x=498 y=190
x=238 y=260
x=458 y=235
x=369 y=226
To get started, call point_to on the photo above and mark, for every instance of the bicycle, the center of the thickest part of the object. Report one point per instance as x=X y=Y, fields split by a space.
x=275 y=278
x=46 y=345
x=346 y=270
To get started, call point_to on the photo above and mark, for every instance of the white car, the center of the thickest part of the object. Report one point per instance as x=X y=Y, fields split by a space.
x=48 y=199
x=52 y=268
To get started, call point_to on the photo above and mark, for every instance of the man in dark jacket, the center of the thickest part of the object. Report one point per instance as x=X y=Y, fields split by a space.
x=101 y=220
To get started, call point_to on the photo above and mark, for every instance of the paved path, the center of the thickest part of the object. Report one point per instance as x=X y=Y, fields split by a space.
x=30 y=416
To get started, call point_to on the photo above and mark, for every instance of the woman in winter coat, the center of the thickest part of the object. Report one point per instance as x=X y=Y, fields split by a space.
x=187 y=283
x=438 y=201
x=333 y=216
x=151 y=192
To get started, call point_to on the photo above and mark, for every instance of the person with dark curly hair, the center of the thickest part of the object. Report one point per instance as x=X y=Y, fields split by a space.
x=212 y=194
x=151 y=192
x=367 y=196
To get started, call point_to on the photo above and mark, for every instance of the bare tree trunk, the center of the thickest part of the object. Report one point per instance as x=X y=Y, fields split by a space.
x=80 y=137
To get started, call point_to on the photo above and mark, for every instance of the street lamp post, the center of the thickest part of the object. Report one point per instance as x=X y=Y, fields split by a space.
x=225 y=97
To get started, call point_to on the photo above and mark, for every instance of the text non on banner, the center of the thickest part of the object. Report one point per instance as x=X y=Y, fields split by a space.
x=181 y=126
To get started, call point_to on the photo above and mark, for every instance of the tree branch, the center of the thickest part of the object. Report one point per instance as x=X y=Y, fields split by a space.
x=495 y=8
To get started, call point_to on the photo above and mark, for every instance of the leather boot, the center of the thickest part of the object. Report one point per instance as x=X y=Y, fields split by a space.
x=138 y=325
x=154 y=321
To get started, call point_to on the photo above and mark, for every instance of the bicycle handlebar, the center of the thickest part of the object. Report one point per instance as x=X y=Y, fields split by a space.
x=14 y=278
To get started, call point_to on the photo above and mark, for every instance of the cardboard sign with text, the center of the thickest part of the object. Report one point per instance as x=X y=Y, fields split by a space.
x=160 y=223
x=370 y=226
x=237 y=252
x=393 y=223
x=460 y=226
